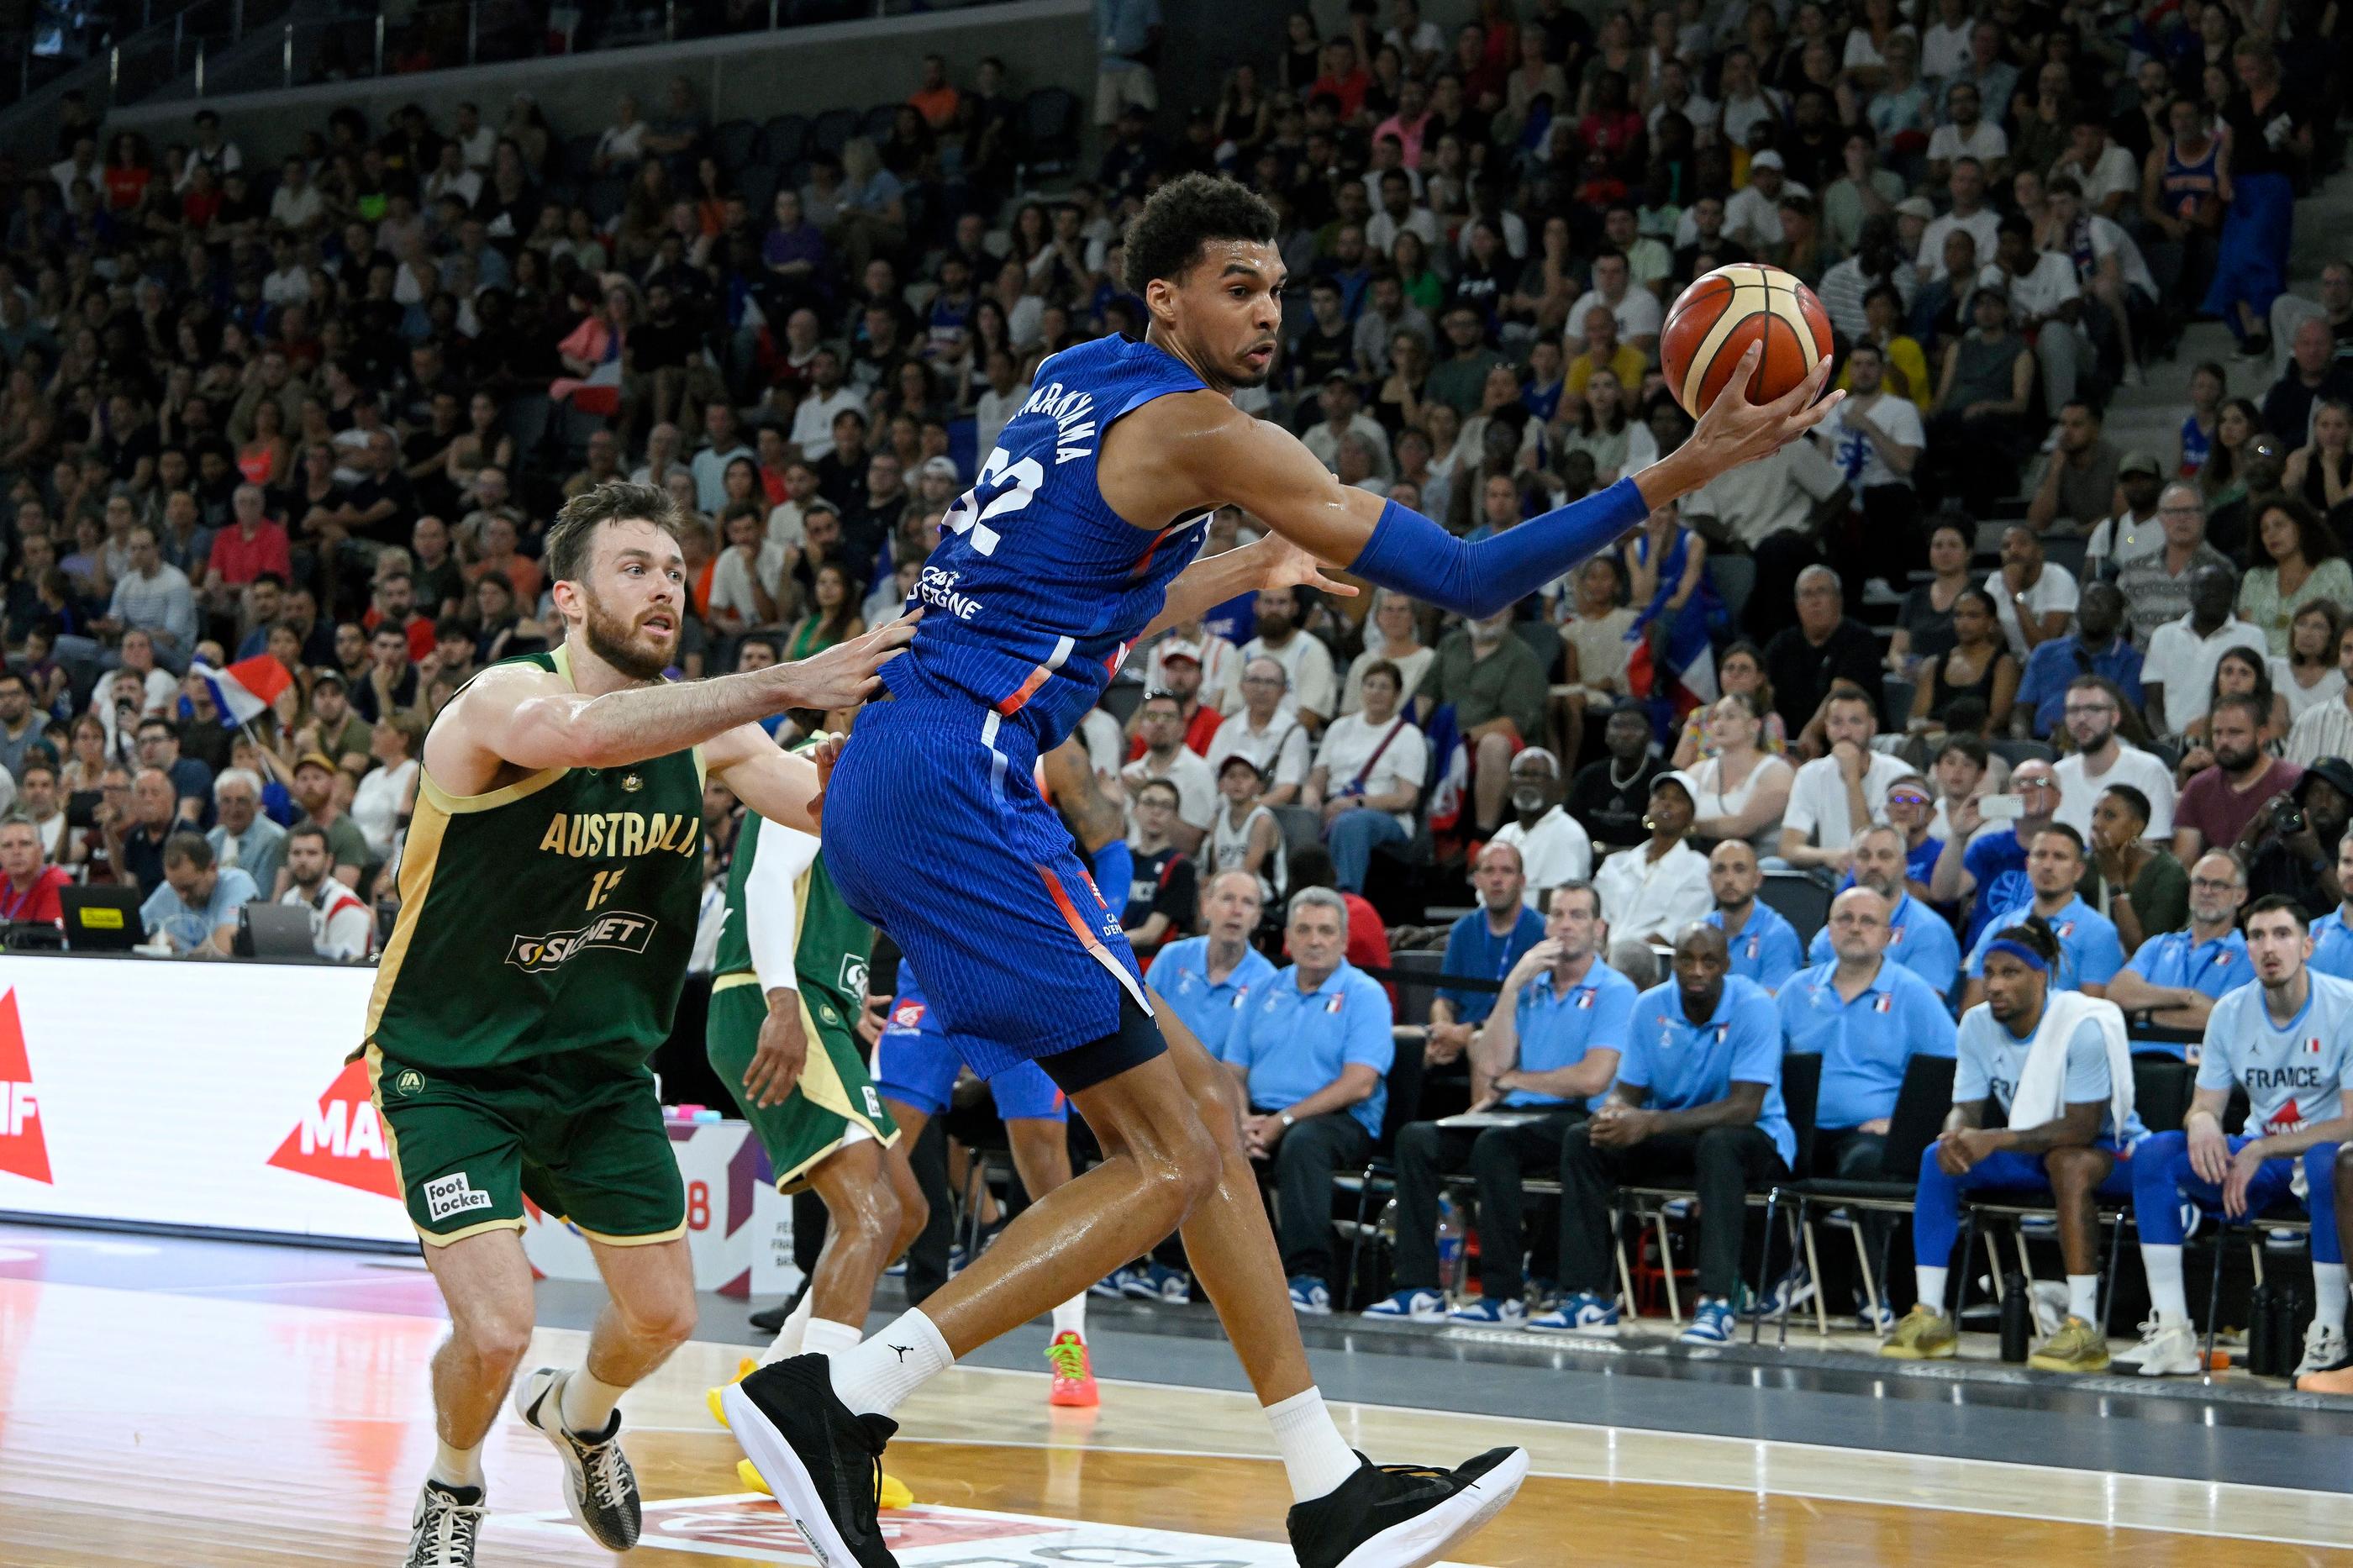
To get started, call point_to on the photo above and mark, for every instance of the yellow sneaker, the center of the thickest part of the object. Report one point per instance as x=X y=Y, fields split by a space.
x=894 y=1491
x=1923 y=1335
x=2078 y=1346
x=710 y=1395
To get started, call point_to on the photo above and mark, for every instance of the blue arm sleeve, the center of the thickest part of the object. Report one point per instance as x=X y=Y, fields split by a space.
x=1115 y=869
x=1411 y=555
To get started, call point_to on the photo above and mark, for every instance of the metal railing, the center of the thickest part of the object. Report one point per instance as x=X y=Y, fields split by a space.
x=184 y=45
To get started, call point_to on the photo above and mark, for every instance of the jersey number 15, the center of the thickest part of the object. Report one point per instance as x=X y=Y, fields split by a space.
x=1005 y=486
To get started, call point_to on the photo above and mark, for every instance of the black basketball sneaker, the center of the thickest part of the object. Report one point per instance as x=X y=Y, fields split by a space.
x=824 y=1463
x=599 y=1488
x=442 y=1530
x=1404 y=1516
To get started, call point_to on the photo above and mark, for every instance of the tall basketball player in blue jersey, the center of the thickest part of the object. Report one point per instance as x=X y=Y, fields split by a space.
x=1077 y=542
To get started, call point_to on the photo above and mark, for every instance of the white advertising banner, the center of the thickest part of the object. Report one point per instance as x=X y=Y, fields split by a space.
x=217 y=1095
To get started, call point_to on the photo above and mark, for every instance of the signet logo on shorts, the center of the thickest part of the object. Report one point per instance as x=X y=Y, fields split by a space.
x=342 y=1141
x=23 y=1151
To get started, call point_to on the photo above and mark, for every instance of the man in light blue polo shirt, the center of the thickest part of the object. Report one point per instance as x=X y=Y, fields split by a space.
x=1763 y=944
x=2090 y=952
x=1866 y=1016
x=1208 y=980
x=1698 y=1099
x=195 y=909
x=1547 y=1053
x=1314 y=1056
x=2331 y=939
x=2176 y=977
x=1481 y=945
x=1918 y=938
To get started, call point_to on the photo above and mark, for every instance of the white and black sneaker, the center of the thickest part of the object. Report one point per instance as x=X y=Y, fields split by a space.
x=441 y=1531
x=599 y=1488
x=823 y=1463
x=1403 y=1516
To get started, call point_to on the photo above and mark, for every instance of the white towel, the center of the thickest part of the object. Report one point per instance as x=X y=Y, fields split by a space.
x=2042 y=1093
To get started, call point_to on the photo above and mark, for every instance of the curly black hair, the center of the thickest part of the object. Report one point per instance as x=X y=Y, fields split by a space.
x=1186 y=214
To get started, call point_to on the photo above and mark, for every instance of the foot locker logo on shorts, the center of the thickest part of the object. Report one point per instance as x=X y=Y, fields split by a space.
x=341 y=1141
x=23 y=1151
x=453 y=1194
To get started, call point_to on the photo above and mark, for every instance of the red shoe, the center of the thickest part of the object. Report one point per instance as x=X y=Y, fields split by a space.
x=1074 y=1373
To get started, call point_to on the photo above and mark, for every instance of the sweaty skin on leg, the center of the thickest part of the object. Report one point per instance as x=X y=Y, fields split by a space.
x=866 y=1225
x=651 y=1314
x=486 y=1281
x=1041 y=1153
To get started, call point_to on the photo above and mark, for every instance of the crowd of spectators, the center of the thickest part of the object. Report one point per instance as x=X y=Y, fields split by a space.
x=318 y=412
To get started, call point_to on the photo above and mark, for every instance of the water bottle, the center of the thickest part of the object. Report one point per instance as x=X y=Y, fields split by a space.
x=2017 y=1319
x=1449 y=1249
x=2263 y=1347
x=2289 y=1310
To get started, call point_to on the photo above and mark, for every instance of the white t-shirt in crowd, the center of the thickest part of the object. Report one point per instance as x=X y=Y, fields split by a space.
x=1314 y=686
x=1555 y=850
x=2121 y=540
x=1403 y=764
x=1638 y=314
x=2079 y=790
x=2183 y=662
x=1197 y=786
x=2054 y=590
x=1984 y=141
x=1898 y=419
x=1818 y=808
x=1279 y=748
x=731 y=581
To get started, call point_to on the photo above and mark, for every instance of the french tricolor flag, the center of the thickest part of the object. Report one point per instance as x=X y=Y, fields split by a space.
x=244 y=691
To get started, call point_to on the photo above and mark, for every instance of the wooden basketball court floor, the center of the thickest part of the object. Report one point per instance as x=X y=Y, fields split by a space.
x=139 y=1428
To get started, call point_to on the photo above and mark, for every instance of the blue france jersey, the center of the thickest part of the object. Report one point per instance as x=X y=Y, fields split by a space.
x=2293 y=1071
x=1037 y=588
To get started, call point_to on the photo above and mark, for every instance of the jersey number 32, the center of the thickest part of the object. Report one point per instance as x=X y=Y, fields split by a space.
x=1005 y=486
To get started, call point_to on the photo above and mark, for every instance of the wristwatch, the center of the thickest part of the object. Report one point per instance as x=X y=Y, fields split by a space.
x=1286 y=1119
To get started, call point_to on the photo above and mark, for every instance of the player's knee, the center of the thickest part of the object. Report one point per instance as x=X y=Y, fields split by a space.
x=870 y=1218
x=2075 y=1172
x=497 y=1338
x=1191 y=1168
x=1219 y=1100
x=666 y=1316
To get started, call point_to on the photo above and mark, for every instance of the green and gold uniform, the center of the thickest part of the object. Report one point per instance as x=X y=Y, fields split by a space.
x=544 y=935
x=833 y=1102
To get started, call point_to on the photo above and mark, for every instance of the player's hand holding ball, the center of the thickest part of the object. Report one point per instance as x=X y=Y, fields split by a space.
x=1760 y=329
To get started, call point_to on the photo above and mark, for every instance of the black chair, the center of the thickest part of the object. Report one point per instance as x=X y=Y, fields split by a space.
x=1921 y=1106
x=1050 y=133
x=1415 y=995
x=880 y=121
x=2067 y=552
x=734 y=143
x=1638 y=1206
x=833 y=129
x=784 y=139
x=2016 y=752
x=756 y=184
x=1301 y=828
x=1804 y=902
x=1378 y=1178
x=1895 y=695
x=1542 y=641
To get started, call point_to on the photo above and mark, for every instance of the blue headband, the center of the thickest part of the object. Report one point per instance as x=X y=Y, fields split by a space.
x=2020 y=951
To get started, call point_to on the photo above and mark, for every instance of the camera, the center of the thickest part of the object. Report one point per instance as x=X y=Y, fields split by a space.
x=2289 y=819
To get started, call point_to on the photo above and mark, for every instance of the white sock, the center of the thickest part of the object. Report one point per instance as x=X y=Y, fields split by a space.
x=1070 y=1317
x=2083 y=1296
x=790 y=1339
x=1931 y=1288
x=875 y=1376
x=2329 y=1295
x=2162 y=1266
x=588 y=1406
x=457 y=1467
x=827 y=1338
x=1316 y=1458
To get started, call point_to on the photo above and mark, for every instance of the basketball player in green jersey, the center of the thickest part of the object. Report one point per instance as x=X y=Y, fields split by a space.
x=549 y=889
x=790 y=982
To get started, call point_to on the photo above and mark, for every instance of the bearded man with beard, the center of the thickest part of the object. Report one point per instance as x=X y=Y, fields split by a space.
x=548 y=898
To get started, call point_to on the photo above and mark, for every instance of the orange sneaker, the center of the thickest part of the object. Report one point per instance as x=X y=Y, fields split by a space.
x=1074 y=1373
x=2340 y=1380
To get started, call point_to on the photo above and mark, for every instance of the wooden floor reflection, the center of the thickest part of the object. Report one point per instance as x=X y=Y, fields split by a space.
x=145 y=1429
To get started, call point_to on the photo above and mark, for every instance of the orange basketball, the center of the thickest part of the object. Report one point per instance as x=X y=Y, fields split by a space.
x=1715 y=319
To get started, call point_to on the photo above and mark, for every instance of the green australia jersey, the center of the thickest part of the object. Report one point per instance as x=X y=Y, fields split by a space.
x=830 y=943
x=553 y=915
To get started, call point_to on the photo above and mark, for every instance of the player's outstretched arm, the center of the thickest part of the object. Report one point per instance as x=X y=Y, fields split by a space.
x=1200 y=454
x=787 y=790
x=531 y=718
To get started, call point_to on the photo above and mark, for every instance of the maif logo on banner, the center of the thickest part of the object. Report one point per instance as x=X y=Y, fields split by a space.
x=23 y=1151
x=341 y=1141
